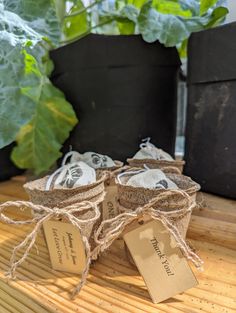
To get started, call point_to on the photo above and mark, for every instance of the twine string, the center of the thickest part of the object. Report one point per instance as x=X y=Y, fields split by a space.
x=45 y=215
x=111 y=229
x=108 y=230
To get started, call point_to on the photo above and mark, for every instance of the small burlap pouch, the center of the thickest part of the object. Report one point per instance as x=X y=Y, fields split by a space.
x=175 y=166
x=130 y=198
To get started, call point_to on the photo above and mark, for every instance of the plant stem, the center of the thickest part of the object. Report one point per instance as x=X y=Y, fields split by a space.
x=83 y=10
x=87 y=32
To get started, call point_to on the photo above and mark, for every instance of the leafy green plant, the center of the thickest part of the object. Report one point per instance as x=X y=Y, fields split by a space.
x=36 y=114
x=32 y=111
x=169 y=21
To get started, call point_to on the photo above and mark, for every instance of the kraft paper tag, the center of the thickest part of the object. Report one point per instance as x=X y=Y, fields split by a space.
x=65 y=245
x=110 y=206
x=160 y=262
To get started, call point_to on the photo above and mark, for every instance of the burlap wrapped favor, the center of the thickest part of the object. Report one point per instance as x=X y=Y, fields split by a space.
x=64 y=197
x=130 y=198
x=156 y=209
x=78 y=206
x=150 y=156
x=175 y=166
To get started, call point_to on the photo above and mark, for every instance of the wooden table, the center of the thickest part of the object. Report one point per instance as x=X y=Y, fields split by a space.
x=113 y=284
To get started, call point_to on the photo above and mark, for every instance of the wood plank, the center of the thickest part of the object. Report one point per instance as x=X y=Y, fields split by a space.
x=215 y=207
x=114 y=285
x=210 y=230
x=14 y=189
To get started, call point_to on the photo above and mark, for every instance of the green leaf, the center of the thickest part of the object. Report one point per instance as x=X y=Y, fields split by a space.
x=15 y=108
x=40 y=140
x=75 y=24
x=60 y=6
x=170 y=7
x=39 y=15
x=130 y=12
x=217 y=16
x=31 y=108
x=191 y=5
x=136 y=3
x=173 y=30
x=168 y=29
x=208 y=20
x=129 y=15
x=182 y=49
x=126 y=27
x=205 y=5
x=121 y=21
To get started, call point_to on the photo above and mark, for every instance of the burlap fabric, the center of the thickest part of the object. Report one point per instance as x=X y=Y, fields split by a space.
x=63 y=197
x=111 y=193
x=78 y=206
x=111 y=172
x=67 y=213
x=130 y=198
x=175 y=166
x=155 y=209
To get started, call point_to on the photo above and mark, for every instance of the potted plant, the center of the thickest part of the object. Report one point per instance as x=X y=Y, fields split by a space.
x=36 y=115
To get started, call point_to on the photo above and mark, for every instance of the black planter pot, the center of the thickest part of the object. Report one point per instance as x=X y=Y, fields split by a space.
x=122 y=90
x=7 y=168
x=211 y=118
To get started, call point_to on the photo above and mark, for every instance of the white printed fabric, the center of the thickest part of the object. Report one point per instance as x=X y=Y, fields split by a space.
x=75 y=175
x=149 y=151
x=152 y=179
x=95 y=160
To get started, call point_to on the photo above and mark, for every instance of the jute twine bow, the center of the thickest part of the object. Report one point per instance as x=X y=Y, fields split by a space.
x=111 y=229
x=45 y=215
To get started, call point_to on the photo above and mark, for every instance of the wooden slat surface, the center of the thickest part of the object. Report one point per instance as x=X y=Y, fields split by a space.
x=114 y=286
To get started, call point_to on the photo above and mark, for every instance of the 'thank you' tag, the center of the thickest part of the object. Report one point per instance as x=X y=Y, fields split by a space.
x=160 y=262
x=65 y=245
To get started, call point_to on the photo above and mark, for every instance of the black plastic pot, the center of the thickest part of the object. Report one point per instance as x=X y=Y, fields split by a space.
x=7 y=168
x=211 y=118
x=122 y=90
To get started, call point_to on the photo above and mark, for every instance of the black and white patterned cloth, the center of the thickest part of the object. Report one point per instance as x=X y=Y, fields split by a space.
x=93 y=159
x=151 y=179
x=72 y=175
x=149 y=151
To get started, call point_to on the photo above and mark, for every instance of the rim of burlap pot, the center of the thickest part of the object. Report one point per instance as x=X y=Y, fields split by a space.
x=61 y=197
x=181 y=221
x=131 y=197
x=159 y=164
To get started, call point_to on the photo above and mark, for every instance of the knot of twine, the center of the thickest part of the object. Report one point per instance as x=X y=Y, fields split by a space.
x=111 y=229
x=113 y=173
x=44 y=215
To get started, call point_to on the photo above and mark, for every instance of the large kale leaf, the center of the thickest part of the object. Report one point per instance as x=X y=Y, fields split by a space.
x=31 y=108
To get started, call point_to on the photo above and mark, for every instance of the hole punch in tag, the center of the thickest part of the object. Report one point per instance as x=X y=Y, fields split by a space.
x=159 y=260
x=65 y=245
